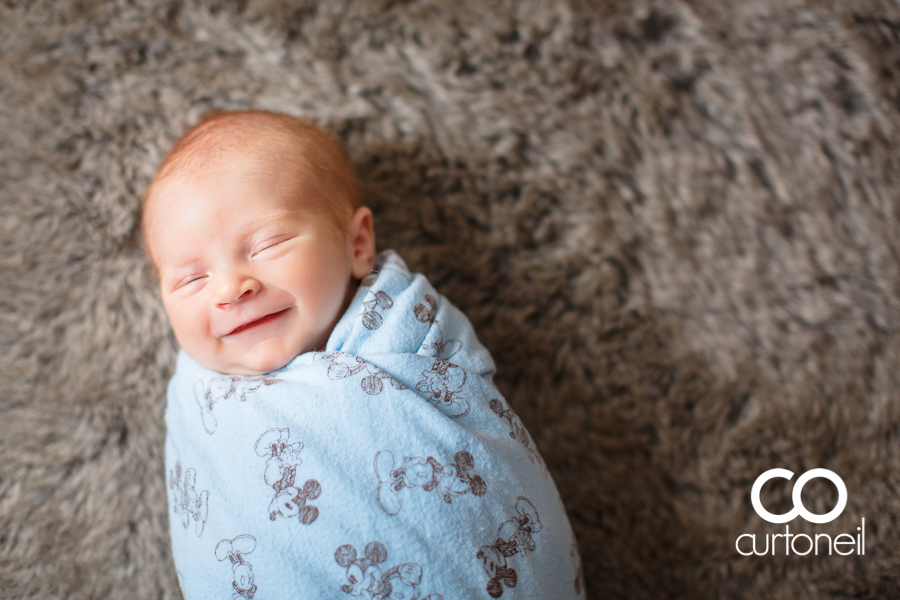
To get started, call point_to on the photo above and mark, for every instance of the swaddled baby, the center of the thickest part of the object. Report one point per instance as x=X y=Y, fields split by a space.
x=332 y=425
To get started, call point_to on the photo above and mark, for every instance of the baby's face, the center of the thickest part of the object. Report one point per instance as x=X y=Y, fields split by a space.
x=249 y=280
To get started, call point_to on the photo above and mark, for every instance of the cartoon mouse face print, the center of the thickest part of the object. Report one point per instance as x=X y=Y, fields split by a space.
x=363 y=574
x=344 y=365
x=441 y=384
x=513 y=537
x=523 y=526
x=456 y=480
x=188 y=503
x=223 y=388
x=283 y=459
x=234 y=550
x=366 y=579
x=415 y=471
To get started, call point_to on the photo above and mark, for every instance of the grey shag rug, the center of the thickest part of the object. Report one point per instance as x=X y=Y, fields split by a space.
x=673 y=223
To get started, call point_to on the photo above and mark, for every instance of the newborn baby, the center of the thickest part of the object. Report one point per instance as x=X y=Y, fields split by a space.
x=332 y=425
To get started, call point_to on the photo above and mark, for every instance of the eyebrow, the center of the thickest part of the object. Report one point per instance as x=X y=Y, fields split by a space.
x=181 y=265
x=257 y=223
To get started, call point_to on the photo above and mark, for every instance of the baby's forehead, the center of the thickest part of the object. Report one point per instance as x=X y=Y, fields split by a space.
x=271 y=163
x=250 y=188
x=232 y=145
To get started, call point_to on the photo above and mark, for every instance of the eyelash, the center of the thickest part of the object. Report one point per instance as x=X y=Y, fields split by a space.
x=191 y=280
x=270 y=244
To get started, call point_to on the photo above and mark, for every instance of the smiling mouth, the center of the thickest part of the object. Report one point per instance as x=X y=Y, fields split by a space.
x=258 y=322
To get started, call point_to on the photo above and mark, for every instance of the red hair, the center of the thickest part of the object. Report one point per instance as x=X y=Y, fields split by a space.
x=266 y=140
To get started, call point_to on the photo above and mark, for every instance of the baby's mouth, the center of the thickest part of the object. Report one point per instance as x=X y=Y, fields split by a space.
x=258 y=322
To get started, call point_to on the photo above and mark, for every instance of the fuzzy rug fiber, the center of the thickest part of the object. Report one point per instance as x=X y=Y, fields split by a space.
x=673 y=223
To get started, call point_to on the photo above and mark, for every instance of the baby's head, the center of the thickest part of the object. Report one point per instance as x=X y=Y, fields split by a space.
x=256 y=228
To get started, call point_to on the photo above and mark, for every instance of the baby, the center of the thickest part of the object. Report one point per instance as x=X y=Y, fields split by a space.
x=332 y=425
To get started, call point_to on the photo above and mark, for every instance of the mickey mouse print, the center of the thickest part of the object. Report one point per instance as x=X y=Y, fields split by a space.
x=282 y=462
x=449 y=480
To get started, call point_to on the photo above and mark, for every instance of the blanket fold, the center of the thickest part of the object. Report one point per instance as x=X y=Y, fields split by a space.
x=386 y=466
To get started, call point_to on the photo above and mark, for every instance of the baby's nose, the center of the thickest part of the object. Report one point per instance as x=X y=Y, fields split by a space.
x=237 y=289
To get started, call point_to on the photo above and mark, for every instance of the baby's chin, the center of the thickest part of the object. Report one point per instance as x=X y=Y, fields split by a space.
x=258 y=362
x=255 y=357
x=253 y=369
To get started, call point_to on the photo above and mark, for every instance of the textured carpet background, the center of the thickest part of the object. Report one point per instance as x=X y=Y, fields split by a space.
x=673 y=223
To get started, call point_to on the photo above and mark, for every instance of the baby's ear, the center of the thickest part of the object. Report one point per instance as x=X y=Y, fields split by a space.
x=361 y=238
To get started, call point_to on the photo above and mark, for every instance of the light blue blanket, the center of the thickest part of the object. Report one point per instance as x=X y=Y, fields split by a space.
x=387 y=466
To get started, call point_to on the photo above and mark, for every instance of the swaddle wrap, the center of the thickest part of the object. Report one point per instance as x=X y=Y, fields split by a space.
x=386 y=466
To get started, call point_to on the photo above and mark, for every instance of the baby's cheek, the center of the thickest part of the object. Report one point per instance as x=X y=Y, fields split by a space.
x=191 y=327
x=320 y=295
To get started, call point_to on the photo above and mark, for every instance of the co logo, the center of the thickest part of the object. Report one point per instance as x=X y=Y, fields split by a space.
x=799 y=509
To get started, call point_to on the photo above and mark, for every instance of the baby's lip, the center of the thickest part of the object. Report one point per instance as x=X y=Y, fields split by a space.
x=257 y=321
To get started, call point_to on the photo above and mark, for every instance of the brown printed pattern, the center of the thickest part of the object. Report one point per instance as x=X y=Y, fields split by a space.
x=188 y=503
x=223 y=388
x=442 y=383
x=425 y=312
x=366 y=579
x=371 y=318
x=344 y=365
x=443 y=349
x=281 y=473
x=234 y=550
x=513 y=537
x=449 y=480
x=517 y=429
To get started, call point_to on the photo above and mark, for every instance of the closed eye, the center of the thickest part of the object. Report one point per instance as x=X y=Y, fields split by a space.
x=270 y=243
x=189 y=280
